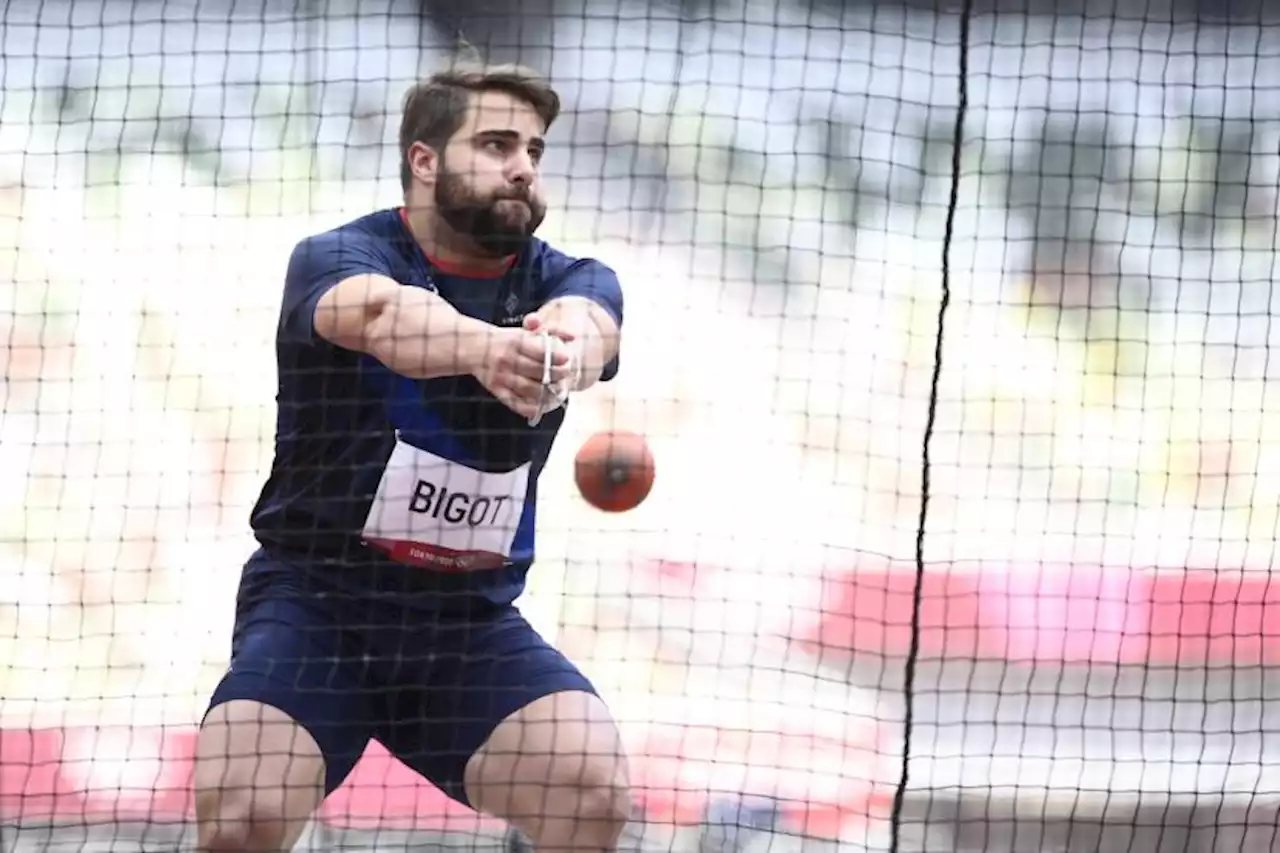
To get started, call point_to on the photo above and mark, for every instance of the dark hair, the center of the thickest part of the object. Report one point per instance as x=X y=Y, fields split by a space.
x=435 y=109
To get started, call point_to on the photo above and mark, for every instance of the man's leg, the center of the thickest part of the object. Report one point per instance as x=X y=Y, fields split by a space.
x=502 y=722
x=259 y=776
x=285 y=726
x=555 y=769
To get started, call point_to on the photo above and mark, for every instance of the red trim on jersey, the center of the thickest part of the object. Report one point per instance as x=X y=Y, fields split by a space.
x=424 y=556
x=455 y=268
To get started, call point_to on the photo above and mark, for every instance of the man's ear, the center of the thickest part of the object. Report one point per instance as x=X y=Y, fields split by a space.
x=423 y=162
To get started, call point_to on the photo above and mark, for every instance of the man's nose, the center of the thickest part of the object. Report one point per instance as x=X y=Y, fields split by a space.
x=521 y=169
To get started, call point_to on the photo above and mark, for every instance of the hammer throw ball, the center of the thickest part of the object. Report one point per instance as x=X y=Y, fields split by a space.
x=614 y=470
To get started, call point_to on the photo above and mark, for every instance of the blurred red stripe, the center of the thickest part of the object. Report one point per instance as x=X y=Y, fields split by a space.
x=1053 y=614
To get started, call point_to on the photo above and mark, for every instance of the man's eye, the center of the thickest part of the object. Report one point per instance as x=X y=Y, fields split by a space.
x=496 y=145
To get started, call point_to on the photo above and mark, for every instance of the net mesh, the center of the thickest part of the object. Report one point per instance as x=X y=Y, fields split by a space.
x=950 y=332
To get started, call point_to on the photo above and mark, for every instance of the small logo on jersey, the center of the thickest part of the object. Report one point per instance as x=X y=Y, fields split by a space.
x=512 y=315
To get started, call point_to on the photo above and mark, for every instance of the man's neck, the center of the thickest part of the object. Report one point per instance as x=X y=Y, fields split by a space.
x=443 y=248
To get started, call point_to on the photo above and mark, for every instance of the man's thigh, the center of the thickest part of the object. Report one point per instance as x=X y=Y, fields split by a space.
x=499 y=716
x=294 y=657
x=556 y=770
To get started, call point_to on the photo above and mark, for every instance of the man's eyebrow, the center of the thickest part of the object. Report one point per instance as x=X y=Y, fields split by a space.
x=536 y=141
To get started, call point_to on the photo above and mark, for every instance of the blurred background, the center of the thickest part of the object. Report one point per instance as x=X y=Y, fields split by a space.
x=787 y=192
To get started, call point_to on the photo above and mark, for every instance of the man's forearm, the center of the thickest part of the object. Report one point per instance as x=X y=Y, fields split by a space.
x=593 y=355
x=418 y=334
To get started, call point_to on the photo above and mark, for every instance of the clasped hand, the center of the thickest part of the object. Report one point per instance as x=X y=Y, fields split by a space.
x=528 y=369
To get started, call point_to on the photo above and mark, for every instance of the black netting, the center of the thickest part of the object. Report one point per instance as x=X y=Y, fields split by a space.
x=949 y=329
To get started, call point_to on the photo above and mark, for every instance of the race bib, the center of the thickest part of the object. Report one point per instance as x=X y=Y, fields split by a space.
x=438 y=514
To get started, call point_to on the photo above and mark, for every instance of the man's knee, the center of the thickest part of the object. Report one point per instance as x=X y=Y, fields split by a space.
x=588 y=811
x=603 y=808
x=258 y=777
x=236 y=820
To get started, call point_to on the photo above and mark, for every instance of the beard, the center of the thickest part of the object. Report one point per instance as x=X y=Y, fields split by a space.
x=501 y=224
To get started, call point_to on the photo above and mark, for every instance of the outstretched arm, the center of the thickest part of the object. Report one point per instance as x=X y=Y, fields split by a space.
x=418 y=334
x=341 y=288
x=412 y=331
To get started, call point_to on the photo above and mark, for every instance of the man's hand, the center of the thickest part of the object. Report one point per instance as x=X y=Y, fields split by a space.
x=566 y=342
x=591 y=333
x=517 y=363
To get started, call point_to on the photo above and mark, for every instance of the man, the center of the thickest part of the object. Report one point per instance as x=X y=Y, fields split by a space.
x=423 y=354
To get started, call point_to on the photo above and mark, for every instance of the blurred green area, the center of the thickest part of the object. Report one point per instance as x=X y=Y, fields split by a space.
x=1086 y=392
x=1076 y=198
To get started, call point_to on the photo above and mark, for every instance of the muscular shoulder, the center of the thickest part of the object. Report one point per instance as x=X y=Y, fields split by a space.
x=363 y=246
x=376 y=234
x=551 y=267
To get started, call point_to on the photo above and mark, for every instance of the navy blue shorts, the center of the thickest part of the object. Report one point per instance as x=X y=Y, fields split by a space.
x=431 y=688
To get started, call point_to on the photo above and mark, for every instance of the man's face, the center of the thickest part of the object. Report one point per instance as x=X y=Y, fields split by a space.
x=487 y=179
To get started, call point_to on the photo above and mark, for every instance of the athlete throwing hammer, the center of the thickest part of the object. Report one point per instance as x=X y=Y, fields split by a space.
x=424 y=353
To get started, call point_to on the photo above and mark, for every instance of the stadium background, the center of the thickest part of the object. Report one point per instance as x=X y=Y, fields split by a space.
x=773 y=182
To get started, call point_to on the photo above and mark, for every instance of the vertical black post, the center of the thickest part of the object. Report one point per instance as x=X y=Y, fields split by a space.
x=913 y=651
